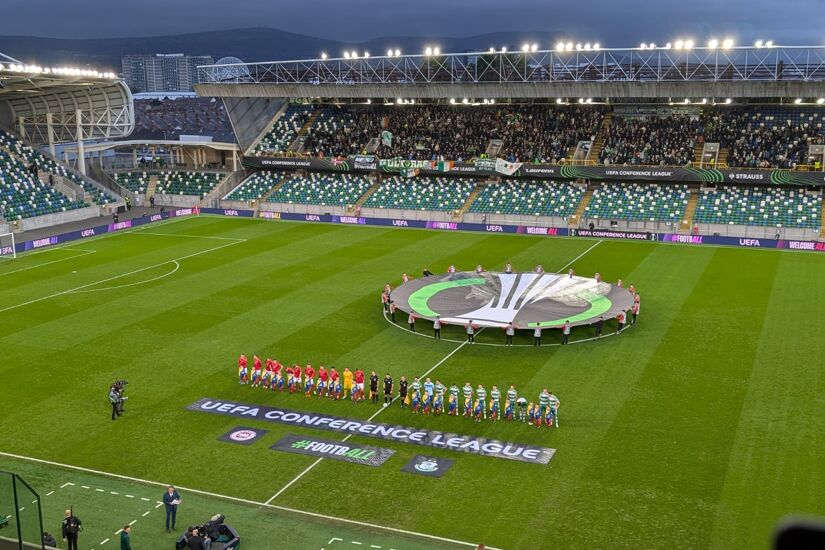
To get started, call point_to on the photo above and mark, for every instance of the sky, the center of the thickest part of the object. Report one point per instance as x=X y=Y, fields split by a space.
x=611 y=22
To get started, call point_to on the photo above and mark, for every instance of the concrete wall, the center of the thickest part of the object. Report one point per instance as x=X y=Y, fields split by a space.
x=502 y=219
x=301 y=208
x=59 y=218
x=177 y=201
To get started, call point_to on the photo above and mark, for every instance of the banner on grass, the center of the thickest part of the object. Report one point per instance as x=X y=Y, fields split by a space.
x=337 y=450
x=388 y=432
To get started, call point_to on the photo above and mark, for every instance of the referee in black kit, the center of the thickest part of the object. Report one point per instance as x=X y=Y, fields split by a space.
x=374 y=387
x=387 y=389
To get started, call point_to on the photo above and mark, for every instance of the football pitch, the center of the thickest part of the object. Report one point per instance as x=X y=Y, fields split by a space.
x=697 y=428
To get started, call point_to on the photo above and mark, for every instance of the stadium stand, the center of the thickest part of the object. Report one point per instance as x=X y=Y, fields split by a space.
x=45 y=164
x=24 y=196
x=255 y=186
x=530 y=133
x=765 y=136
x=761 y=206
x=136 y=182
x=322 y=189
x=650 y=141
x=169 y=118
x=533 y=198
x=636 y=202
x=438 y=194
x=187 y=183
x=285 y=130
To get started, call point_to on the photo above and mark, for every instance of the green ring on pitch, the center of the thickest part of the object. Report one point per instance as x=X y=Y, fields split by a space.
x=598 y=305
x=419 y=299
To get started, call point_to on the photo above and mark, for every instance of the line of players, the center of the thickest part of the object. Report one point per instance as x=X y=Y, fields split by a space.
x=426 y=398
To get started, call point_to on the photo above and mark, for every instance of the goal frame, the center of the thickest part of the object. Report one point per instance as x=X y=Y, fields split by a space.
x=7 y=251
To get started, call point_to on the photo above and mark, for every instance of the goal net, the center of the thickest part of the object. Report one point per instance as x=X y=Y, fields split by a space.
x=7 y=251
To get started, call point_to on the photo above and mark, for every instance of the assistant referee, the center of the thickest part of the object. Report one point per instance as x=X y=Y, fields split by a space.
x=387 y=389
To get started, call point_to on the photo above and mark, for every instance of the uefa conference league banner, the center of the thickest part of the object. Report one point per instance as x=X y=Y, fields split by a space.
x=387 y=432
x=499 y=167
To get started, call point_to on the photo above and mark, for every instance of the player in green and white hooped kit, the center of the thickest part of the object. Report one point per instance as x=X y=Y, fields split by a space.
x=495 y=399
x=416 y=385
x=544 y=403
x=439 y=394
x=554 y=408
x=468 y=399
x=512 y=395
x=481 y=395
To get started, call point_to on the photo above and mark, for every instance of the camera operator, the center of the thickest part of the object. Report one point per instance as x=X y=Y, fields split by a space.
x=196 y=541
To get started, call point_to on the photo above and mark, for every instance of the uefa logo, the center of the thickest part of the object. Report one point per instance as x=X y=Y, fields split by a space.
x=243 y=435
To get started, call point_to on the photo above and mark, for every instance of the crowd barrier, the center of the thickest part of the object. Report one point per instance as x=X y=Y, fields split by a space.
x=695 y=240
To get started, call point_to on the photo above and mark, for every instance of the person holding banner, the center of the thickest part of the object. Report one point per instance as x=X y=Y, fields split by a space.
x=471 y=332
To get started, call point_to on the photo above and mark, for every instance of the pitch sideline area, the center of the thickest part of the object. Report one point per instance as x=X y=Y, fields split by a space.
x=303 y=292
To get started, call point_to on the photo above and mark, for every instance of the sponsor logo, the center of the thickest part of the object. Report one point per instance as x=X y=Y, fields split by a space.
x=6 y=250
x=400 y=223
x=540 y=230
x=40 y=243
x=352 y=220
x=749 y=242
x=640 y=173
x=362 y=454
x=389 y=432
x=156 y=217
x=185 y=212
x=806 y=245
x=87 y=233
x=270 y=215
x=494 y=229
x=746 y=176
x=312 y=218
x=613 y=235
x=686 y=239
x=120 y=225
x=231 y=213
x=442 y=225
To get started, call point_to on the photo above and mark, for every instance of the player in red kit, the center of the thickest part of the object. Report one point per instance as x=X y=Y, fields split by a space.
x=322 y=382
x=256 y=371
x=243 y=377
x=277 y=377
x=290 y=380
x=358 y=394
x=309 y=383
x=267 y=376
x=333 y=384
x=296 y=376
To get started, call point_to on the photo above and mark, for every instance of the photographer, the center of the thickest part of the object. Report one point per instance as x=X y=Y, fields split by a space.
x=69 y=528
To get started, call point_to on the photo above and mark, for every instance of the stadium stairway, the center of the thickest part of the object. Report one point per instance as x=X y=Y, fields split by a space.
x=297 y=145
x=598 y=143
x=697 y=154
x=723 y=158
x=224 y=187
x=150 y=189
x=363 y=198
x=686 y=225
x=822 y=226
x=575 y=219
x=459 y=214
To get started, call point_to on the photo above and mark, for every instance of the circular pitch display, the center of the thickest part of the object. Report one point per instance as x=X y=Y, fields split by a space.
x=528 y=300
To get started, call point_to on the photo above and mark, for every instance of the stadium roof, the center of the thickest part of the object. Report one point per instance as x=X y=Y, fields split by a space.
x=34 y=99
x=675 y=70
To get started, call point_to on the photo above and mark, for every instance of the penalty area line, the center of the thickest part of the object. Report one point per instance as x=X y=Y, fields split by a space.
x=315 y=515
x=78 y=288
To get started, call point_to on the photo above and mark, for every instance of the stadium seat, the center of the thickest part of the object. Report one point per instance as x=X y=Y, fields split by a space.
x=438 y=194
x=322 y=189
x=528 y=198
x=759 y=206
x=637 y=202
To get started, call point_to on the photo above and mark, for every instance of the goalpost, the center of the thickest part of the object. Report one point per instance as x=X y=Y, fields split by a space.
x=7 y=251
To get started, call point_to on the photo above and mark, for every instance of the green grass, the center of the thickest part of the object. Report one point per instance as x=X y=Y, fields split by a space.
x=699 y=428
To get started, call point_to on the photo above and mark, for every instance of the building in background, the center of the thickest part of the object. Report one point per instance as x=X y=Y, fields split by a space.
x=163 y=72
